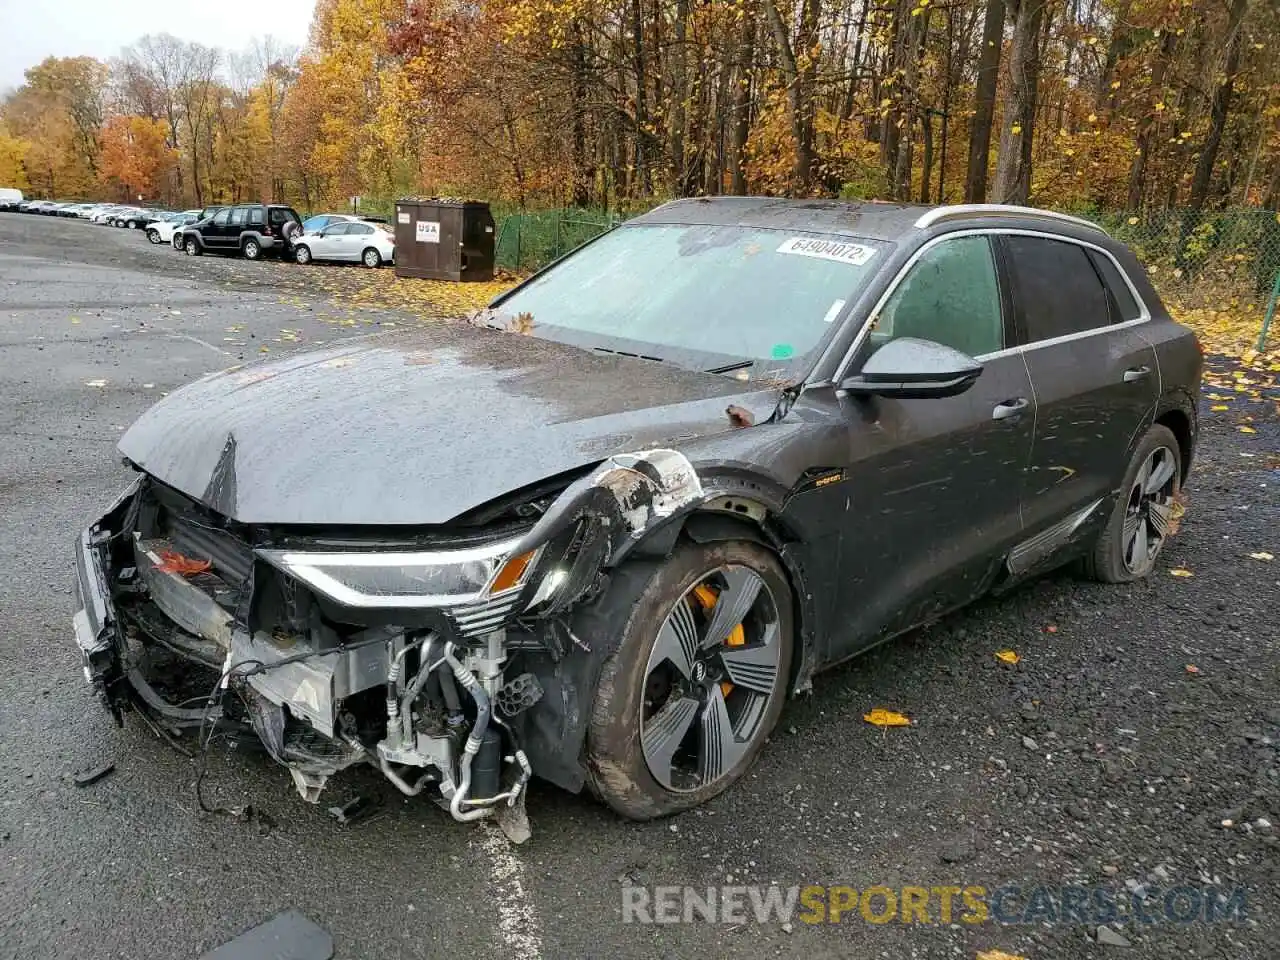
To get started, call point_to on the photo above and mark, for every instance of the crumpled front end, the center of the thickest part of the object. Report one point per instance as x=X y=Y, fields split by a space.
x=412 y=651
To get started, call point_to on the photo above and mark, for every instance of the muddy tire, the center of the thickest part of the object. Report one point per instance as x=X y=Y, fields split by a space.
x=1139 y=525
x=638 y=760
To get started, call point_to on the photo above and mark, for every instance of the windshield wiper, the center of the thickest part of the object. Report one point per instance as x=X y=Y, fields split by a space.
x=628 y=353
x=731 y=367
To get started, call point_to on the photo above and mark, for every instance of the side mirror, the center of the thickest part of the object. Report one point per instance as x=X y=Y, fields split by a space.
x=913 y=369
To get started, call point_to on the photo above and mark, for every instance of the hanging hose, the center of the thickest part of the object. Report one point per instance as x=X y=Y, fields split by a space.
x=483 y=712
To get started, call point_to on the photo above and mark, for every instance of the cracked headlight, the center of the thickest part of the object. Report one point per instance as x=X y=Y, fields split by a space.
x=437 y=578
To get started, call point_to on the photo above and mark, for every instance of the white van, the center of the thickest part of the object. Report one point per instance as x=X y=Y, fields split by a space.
x=10 y=197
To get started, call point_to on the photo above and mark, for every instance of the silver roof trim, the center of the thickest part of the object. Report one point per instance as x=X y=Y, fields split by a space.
x=961 y=211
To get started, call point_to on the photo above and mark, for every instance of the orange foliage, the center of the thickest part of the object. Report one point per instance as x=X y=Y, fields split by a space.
x=135 y=156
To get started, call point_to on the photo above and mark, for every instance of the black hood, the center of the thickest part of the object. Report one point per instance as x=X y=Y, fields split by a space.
x=418 y=427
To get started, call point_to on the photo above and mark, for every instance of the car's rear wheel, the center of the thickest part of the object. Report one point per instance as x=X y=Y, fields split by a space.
x=192 y=247
x=252 y=249
x=698 y=680
x=131 y=224
x=177 y=242
x=153 y=236
x=302 y=254
x=1142 y=518
x=372 y=258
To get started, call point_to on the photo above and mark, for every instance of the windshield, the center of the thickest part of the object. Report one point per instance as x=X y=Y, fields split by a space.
x=699 y=295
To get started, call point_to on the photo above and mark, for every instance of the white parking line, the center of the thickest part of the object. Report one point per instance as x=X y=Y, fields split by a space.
x=517 y=921
x=203 y=343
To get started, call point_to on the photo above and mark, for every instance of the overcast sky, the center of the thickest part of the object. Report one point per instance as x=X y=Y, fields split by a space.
x=31 y=30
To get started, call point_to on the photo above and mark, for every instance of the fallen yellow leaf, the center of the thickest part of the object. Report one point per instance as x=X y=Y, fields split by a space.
x=1181 y=572
x=998 y=955
x=880 y=717
x=1007 y=656
x=1261 y=555
x=1248 y=430
x=1219 y=406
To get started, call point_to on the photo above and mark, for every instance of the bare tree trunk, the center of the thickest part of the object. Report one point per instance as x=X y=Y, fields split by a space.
x=679 y=100
x=1219 y=109
x=742 y=108
x=798 y=72
x=1012 y=182
x=926 y=163
x=583 y=171
x=642 y=113
x=984 y=103
x=1149 y=124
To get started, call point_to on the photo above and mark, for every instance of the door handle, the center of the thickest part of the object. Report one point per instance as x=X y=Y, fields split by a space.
x=1134 y=374
x=1003 y=411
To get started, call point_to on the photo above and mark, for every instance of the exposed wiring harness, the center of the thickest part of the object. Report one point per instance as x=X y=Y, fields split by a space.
x=205 y=740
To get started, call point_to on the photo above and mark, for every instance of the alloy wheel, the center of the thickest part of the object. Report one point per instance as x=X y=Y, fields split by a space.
x=1148 y=515
x=710 y=679
x=371 y=258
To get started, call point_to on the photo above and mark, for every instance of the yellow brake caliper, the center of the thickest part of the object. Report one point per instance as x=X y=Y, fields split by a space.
x=737 y=636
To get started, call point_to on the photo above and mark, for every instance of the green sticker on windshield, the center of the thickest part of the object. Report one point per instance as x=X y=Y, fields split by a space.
x=781 y=351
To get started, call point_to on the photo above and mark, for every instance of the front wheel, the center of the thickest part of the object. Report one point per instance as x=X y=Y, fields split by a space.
x=192 y=247
x=372 y=258
x=698 y=680
x=132 y=224
x=1142 y=518
x=302 y=254
x=252 y=249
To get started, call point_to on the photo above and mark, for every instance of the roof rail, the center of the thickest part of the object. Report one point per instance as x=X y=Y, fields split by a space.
x=964 y=210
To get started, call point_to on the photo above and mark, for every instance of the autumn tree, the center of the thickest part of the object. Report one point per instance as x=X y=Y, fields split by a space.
x=136 y=157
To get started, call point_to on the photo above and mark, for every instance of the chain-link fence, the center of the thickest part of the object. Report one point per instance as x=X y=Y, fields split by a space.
x=528 y=241
x=1224 y=261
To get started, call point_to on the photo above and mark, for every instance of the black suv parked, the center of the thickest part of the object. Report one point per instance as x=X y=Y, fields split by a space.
x=254 y=229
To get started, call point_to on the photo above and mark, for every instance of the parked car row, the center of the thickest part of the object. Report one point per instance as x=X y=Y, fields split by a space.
x=112 y=214
x=251 y=230
x=257 y=230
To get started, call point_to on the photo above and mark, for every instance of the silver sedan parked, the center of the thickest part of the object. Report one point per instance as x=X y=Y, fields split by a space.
x=354 y=241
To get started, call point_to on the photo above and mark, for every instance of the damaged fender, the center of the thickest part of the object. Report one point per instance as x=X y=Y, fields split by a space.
x=606 y=514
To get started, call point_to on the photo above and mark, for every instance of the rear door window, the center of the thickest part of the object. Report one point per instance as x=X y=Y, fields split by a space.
x=1057 y=288
x=1123 y=305
x=238 y=216
x=336 y=230
x=950 y=296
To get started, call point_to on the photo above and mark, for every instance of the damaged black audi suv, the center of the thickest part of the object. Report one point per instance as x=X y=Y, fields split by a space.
x=602 y=531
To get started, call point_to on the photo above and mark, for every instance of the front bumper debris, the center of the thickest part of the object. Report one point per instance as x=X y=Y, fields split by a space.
x=178 y=605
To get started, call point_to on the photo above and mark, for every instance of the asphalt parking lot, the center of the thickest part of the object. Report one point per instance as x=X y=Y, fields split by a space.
x=1135 y=746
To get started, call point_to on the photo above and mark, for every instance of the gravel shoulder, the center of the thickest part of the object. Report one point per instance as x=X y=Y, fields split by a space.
x=1135 y=744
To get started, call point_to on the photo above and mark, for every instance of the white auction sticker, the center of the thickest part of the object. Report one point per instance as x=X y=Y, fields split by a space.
x=427 y=231
x=403 y=217
x=854 y=253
